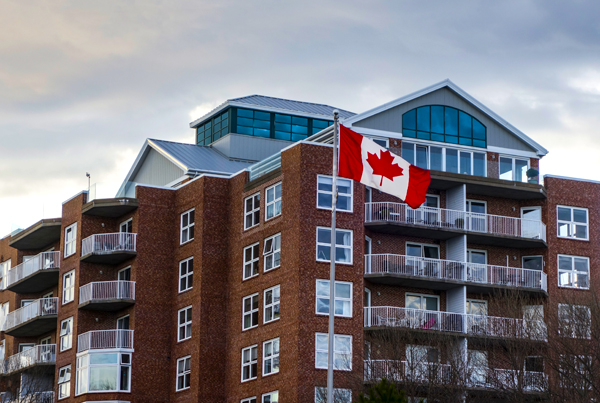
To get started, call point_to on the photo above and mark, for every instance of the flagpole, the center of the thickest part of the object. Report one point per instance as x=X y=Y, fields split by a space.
x=332 y=258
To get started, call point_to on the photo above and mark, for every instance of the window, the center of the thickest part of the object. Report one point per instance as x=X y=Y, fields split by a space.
x=271 y=303
x=124 y=274
x=251 y=256
x=573 y=271
x=183 y=372
x=187 y=226
x=2 y=350
x=272 y=252
x=64 y=382
x=271 y=397
x=253 y=123
x=476 y=307
x=271 y=357
x=69 y=286
x=343 y=298
x=293 y=127
x=252 y=211
x=444 y=124
x=342 y=351
x=4 y=268
x=575 y=371
x=343 y=245
x=184 y=325
x=513 y=169
x=339 y=395
x=249 y=400
x=250 y=315
x=66 y=334
x=186 y=274
x=325 y=193
x=574 y=321
x=533 y=263
x=3 y=314
x=70 y=239
x=249 y=363
x=418 y=301
x=126 y=226
x=123 y=322
x=103 y=372
x=273 y=196
x=572 y=222
x=444 y=159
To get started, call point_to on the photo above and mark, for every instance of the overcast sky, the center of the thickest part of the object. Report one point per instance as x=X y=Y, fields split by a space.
x=84 y=83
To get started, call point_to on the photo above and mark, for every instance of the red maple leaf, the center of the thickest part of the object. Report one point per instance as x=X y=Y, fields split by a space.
x=384 y=165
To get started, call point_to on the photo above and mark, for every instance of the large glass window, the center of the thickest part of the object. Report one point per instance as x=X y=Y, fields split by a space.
x=572 y=222
x=103 y=372
x=426 y=302
x=513 y=169
x=444 y=159
x=342 y=351
x=254 y=123
x=343 y=245
x=270 y=357
x=213 y=129
x=343 y=298
x=64 y=382
x=573 y=271
x=444 y=124
x=325 y=193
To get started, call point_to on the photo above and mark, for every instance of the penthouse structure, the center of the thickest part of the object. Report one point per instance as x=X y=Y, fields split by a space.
x=206 y=278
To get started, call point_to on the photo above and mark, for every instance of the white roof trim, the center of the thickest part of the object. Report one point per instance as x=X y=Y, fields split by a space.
x=571 y=178
x=541 y=151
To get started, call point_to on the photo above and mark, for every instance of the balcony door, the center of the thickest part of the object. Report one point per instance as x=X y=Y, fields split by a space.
x=418 y=261
x=477 y=311
x=428 y=213
x=422 y=311
x=530 y=225
x=422 y=363
x=477 y=265
x=476 y=219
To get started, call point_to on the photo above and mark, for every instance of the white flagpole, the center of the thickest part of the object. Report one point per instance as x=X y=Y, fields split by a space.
x=332 y=258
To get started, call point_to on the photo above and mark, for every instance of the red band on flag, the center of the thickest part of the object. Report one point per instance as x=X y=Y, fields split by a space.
x=418 y=182
x=350 y=161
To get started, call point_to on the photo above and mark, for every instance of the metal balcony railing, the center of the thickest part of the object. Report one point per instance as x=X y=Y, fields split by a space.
x=36 y=309
x=35 y=397
x=42 y=354
x=455 y=219
x=103 y=339
x=42 y=261
x=100 y=244
x=438 y=269
x=106 y=291
x=404 y=371
x=476 y=325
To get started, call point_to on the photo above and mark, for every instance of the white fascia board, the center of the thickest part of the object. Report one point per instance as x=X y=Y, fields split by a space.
x=167 y=156
x=134 y=167
x=571 y=178
x=512 y=152
x=541 y=151
x=72 y=197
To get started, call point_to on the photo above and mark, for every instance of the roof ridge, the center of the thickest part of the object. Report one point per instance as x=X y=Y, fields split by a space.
x=290 y=100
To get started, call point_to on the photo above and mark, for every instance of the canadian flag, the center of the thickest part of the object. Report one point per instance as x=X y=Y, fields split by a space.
x=365 y=161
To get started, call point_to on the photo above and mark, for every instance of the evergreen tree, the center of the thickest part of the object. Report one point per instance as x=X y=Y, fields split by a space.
x=383 y=392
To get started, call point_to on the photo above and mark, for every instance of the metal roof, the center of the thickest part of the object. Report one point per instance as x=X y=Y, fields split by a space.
x=297 y=106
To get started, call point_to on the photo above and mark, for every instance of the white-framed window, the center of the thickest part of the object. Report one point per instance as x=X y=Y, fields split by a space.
x=251 y=211
x=187 y=226
x=271 y=397
x=572 y=222
x=272 y=252
x=325 y=193
x=250 y=312
x=476 y=307
x=126 y=226
x=270 y=363
x=249 y=363
x=249 y=400
x=513 y=169
x=573 y=271
x=574 y=321
x=273 y=198
x=186 y=274
x=446 y=159
x=422 y=301
x=64 y=382
x=3 y=314
x=124 y=274
x=2 y=350
x=68 y=287
x=271 y=304
x=533 y=262
x=184 y=323
x=66 y=334
x=4 y=268
x=343 y=245
x=123 y=322
x=70 y=239
x=184 y=368
x=342 y=351
x=576 y=371
x=343 y=298
x=339 y=395
x=251 y=257
x=422 y=250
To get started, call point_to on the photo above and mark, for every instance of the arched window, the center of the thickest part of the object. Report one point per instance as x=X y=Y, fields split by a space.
x=445 y=124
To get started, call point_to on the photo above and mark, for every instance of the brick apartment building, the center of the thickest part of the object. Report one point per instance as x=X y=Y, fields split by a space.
x=206 y=278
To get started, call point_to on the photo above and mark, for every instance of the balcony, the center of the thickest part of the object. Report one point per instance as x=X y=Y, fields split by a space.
x=489 y=327
x=36 y=274
x=105 y=339
x=107 y=295
x=441 y=274
x=430 y=222
x=111 y=208
x=109 y=248
x=42 y=354
x=38 y=236
x=32 y=320
x=36 y=397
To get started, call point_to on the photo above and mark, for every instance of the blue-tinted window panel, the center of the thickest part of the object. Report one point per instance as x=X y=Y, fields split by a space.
x=465 y=163
x=298 y=137
x=437 y=137
x=262 y=124
x=282 y=127
x=464 y=124
x=321 y=124
x=409 y=133
x=451 y=161
x=217 y=136
x=451 y=121
x=478 y=130
x=424 y=135
x=283 y=118
x=437 y=119
x=262 y=132
x=479 y=143
x=452 y=139
x=408 y=152
x=479 y=164
x=282 y=135
x=244 y=122
x=262 y=115
x=217 y=119
x=217 y=126
x=316 y=130
x=464 y=141
x=245 y=130
x=435 y=158
x=299 y=129
x=409 y=120
x=299 y=121
x=199 y=140
x=245 y=113
x=423 y=118
x=207 y=125
x=224 y=131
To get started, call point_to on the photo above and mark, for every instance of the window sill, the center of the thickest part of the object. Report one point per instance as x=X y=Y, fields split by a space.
x=68 y=302
x=572 y=238
x=186 y=290
x=186 y=242
x=182 y=390
x=184 y=340
x=249 y=379
x=249 y=328
x=274 y=268
x=272 y=218
x=337 y=316
x=248 y=278
x=272 y=373
x=574 y=288
x=336 y=210
x=271 y=321
x=254 y=226
x=329 y=261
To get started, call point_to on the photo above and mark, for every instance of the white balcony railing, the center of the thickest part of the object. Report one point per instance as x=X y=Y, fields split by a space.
x=477 y=325
x=455 y=219
x=404 y=371
x=42 y=261
x=104 y=339
x=100 y=244
x=37 y=355
x=38 y=308
x=35 y=397
x=438 y=269
x=107 y=290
